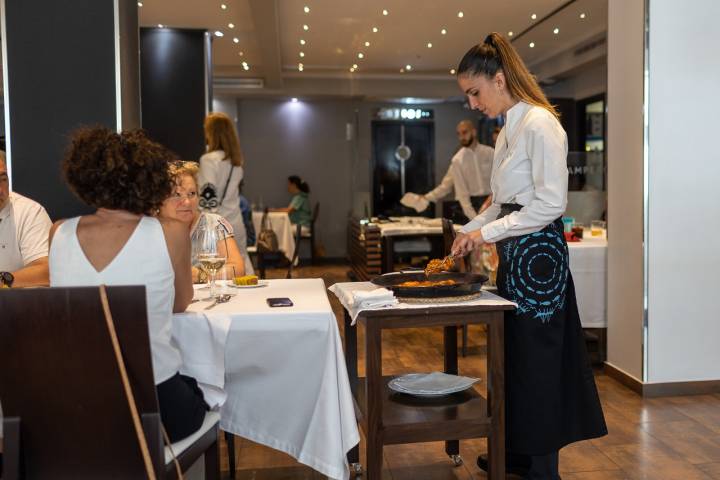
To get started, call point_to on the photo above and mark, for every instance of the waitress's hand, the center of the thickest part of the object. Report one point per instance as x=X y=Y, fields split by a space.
x=467 y=242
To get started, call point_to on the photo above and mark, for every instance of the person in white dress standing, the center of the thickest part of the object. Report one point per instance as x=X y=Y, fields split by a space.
x=221 y=171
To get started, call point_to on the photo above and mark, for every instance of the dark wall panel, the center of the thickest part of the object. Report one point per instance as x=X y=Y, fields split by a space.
x=174 y=88
x=61 y=74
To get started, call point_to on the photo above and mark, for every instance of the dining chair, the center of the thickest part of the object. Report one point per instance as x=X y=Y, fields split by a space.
x=67 y=414
x=310 y=236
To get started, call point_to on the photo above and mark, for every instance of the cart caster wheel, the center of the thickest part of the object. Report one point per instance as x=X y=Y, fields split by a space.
x=457 y=460
x=356 y=468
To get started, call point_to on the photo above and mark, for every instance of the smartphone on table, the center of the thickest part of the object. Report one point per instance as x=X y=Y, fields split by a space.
x=279 y=302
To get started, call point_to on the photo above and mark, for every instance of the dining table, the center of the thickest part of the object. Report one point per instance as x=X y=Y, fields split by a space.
x=280 y=223
x=277 y=374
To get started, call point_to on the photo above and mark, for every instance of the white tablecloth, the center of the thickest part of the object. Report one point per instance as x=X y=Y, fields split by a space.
x=412 y=226
x=588 y=265
x=285 y=377
x=280 y=224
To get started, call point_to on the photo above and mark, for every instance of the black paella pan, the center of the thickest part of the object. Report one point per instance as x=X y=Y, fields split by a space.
x=466 y=284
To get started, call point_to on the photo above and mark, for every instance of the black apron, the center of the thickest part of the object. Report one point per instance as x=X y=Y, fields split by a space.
x=551 y=397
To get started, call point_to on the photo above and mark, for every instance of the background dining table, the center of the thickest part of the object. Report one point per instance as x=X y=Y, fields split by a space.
x=280 y=223
x=279 y=372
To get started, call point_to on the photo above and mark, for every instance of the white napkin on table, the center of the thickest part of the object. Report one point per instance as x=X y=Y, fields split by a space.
x=380 y=297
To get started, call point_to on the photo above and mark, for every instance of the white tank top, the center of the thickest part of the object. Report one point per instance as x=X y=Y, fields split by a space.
x=143 y=260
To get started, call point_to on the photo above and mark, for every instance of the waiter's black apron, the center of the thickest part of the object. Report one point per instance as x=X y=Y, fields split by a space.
x=551 y=397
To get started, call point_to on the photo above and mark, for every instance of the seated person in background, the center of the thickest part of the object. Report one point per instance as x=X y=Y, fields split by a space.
x=246 y=210
x=299 y=208
x=125 y=177
x=182 y=205
x=24 y=227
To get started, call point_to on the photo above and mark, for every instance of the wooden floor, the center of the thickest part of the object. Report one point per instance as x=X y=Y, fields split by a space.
x=674 y=438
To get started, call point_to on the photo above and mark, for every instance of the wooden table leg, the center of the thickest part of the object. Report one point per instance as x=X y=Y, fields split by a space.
x=350 y=334
x=388 y=260
x=374 y=388
x=496 y=397
x=452 y=447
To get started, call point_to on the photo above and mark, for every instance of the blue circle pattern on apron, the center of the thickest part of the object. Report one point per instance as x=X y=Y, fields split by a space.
x=535 y=287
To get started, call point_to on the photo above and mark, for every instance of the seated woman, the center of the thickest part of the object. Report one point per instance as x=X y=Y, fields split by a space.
x=182 y=205
x=299 y=208
x=125 y=177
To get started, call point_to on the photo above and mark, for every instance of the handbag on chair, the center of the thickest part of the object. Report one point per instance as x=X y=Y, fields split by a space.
x=267 y=241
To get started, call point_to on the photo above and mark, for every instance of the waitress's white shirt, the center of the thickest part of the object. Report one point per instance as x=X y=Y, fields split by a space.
x=530 y=169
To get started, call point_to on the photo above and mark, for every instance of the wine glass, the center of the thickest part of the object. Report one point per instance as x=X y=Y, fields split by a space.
x=205 y=249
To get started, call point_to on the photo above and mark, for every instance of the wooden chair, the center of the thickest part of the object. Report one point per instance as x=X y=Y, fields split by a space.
x=66 y=412
x=310 y=236
x=464 y=266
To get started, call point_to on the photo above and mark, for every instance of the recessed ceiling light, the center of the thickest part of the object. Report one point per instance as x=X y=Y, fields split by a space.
x=160 y=25
x=236 y=40
x=306 y=9
x=139 y=4
x=231 y=25
x=360 y=55
x=408 y=67
x=223 y=6
x=532 y=44
x=443 y=31
x=385 y=12
x=302 y=54
x=461 y=14
x=556 y=31
x=218 y=33
x=241 y=53
x=294 y=100
x=301 y=67
x=533 y=16
x=510 y=34
x=402 y=70
x=375 y=29
x=306 y=28
x=452 y=71
x=352 y=69
x=245 y=66
x=582 y=15
x=367 y=44
x=429 y=45
x=354 y=65
x=302 y=42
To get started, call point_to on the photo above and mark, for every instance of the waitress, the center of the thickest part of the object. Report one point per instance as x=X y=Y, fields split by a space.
x=551 y=397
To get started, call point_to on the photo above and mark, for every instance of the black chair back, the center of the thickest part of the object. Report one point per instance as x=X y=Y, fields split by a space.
x=463 y=264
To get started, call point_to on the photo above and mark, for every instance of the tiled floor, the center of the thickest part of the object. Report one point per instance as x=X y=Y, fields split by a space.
x=675 y=438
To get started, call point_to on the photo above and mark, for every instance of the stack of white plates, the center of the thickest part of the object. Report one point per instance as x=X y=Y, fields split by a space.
x=432 y=384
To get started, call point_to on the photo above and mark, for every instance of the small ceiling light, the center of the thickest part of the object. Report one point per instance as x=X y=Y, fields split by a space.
x=302 y=42
x=231 y=25
x=302 y=54
x=306 y=9
x=360 y=55
x=532 y=45
x=160 y=25
x=218 y=33
x=452 y=71
x=294 y=99
x=408 y=67
x=241 y=53
x=461 y=14
x=367 y=44
x=236 y=40
x=443 y=31
x=556 y=31
x=533 y=16
x=510 y=34
x=306 y=28
x=402 y=70
x=245 y=65
x=354 y=65
x=301 y=67
x=352 y=69
x=139 y=4
x=582 y=15
x=375 y=29
x=429 y=45
x=223 y=6
x=385 y=12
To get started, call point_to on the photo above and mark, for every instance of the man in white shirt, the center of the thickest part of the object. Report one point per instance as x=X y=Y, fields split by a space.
x=24 y=228
x=469 y=173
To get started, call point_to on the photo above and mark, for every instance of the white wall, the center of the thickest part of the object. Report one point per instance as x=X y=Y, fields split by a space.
x=625 y=185
x=684 y=174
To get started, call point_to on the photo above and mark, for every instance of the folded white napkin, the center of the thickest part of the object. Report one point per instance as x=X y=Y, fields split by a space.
x=380 y=297
x=413 y=200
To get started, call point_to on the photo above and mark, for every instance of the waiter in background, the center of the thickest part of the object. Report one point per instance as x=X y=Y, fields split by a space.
x=468 y=175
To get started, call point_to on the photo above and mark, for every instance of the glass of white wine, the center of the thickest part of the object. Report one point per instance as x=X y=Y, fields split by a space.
x=209 y=256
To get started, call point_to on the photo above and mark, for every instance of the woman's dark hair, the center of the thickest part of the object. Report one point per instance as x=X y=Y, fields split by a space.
x=125 y=171
x=299 y=183
x=496 y=54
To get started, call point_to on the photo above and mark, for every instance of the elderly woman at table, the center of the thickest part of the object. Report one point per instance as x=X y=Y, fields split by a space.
x=299 y=209
x=124 y=176
x=182 y=205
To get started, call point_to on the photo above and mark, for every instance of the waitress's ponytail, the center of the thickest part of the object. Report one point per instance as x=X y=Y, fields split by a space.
x=496 y=54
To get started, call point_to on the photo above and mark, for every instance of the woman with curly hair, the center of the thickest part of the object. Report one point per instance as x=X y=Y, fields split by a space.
x=125 y=178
